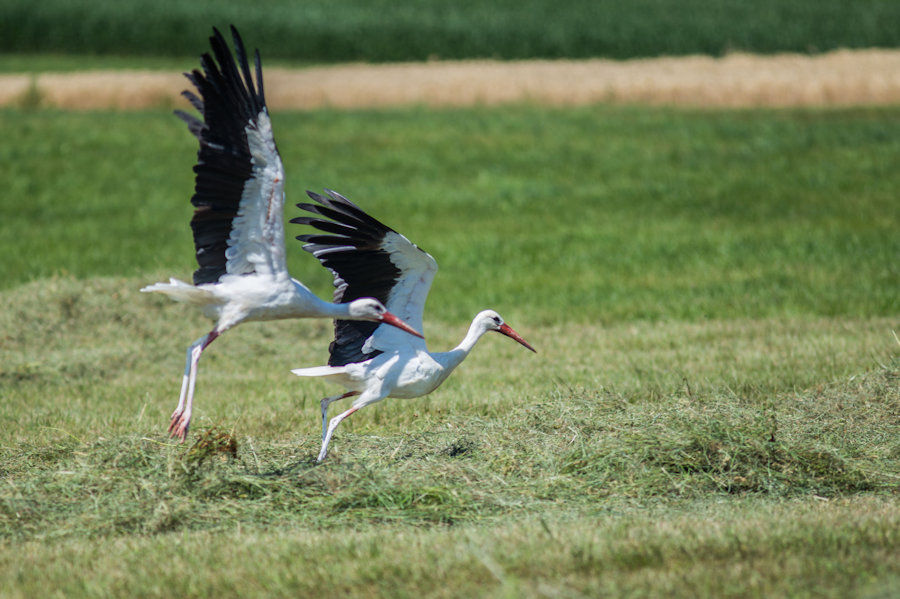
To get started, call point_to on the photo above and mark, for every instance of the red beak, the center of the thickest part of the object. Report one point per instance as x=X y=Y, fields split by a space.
x=388 y=318
x=507 y=330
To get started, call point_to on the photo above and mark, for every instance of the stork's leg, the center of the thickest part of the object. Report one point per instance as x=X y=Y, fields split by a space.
x=181 y=417
x=331 y=426
x=184 y=381
x=368 y=397
x=325 y=402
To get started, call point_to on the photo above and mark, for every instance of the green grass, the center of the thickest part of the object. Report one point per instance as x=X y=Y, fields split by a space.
x=603 y=214
x=714 y=411
x=68 y=63
x=48 y=62
x=815 y=549
x=387 y=30
x=655 y=454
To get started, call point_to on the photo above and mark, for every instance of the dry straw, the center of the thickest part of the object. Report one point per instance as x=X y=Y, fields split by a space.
x=840 y=78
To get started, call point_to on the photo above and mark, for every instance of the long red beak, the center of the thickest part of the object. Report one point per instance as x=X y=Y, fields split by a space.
x=388 y=318
x=507 y=330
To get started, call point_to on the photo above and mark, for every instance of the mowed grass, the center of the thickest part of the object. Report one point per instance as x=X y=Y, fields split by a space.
x=723 y=457
x=714 y=410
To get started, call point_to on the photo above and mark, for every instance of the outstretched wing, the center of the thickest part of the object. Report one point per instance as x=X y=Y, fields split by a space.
x=367 y=259
x=238 y=194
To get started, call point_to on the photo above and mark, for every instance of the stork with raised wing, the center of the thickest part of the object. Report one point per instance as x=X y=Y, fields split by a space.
x=238 y=221
x=368 y=258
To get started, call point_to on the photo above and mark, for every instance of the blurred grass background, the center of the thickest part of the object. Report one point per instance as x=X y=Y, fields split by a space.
x=386 y=30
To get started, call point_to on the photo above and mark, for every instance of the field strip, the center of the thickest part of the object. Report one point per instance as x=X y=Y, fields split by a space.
x=840 y=78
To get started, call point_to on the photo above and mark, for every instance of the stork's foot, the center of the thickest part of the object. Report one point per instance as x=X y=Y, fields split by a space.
x=178 y=426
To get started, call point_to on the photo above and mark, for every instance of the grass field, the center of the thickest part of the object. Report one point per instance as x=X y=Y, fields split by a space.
x=714 y=411
x=382 y=30
x=638 y=213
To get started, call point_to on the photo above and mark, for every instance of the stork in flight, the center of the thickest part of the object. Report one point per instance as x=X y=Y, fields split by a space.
x=368 y=258
x=238 y=218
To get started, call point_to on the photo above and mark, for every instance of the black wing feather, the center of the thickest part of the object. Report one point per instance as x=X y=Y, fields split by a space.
x=227 y=104
x=352 y=250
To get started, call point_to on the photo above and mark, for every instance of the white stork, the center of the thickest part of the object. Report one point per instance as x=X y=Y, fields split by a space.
x=238 y=218
x=368 y=258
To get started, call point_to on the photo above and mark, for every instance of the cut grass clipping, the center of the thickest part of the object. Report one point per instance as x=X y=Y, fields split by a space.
x=91 y=458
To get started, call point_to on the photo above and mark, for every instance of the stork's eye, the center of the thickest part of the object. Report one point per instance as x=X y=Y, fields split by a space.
x=497 y=320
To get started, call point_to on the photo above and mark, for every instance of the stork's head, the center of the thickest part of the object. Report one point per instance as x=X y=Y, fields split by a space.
x=491 y=321
x=368 y=308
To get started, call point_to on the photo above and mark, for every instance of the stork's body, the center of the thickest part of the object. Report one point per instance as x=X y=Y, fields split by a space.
x=238 y=219
x=372 y=361
x=406 y=372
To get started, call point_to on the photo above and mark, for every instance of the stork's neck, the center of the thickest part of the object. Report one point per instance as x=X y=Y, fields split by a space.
x=310 y=304
x=454 y=357
x=339 y=311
